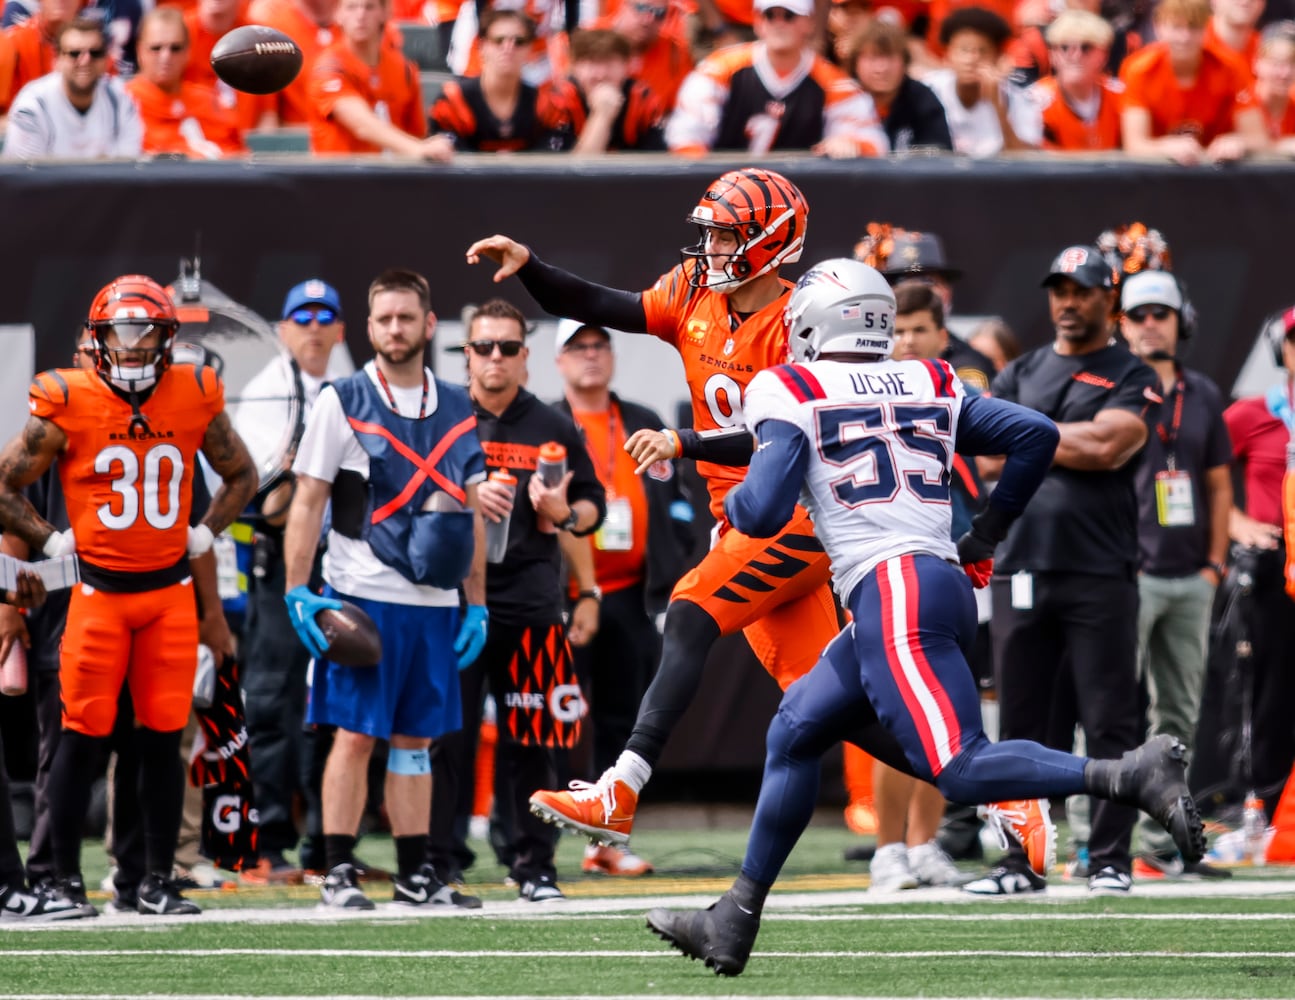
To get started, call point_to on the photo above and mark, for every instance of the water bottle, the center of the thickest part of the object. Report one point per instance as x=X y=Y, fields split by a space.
x=551 y=467
x=497 y=531
x=13 y=672
x=1255 y=825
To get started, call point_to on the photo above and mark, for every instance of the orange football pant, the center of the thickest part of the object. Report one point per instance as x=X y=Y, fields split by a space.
x=776 y=591
x=148 y=640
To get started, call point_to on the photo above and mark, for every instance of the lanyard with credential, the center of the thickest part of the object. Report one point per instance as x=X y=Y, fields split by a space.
x=1169 y=438
x=391 y=399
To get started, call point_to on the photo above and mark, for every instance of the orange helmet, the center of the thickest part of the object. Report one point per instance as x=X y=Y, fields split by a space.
x=765 y=211
x=132 y=307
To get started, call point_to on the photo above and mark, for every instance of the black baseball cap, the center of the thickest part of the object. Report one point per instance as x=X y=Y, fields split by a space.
x=1083 y=265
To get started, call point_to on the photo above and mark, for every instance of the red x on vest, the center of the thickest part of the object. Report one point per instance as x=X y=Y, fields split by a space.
x=426 y=466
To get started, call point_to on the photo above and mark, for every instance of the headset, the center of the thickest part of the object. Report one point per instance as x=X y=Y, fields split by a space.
x=1187 y=316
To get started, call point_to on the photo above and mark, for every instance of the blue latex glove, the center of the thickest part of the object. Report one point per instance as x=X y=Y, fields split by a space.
x=303 y=605
x=472 y=635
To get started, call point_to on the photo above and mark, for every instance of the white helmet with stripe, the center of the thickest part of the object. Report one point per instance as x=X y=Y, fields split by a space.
x=841 y=306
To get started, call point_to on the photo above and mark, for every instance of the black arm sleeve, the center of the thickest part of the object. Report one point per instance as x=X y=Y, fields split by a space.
x=561 y=293
x=731 y=446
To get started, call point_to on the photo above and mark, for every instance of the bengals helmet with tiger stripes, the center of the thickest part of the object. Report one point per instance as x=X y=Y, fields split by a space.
x=132 y=307
x=768 y=215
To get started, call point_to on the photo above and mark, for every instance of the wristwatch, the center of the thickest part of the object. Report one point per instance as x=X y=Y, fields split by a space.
x=594 y=593
x=570 y=523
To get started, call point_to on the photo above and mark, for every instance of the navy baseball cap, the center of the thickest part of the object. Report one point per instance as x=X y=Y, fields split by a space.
x=312 y=292
x=1083 y=265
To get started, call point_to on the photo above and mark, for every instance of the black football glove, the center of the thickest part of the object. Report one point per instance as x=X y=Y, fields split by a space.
x=976 y=547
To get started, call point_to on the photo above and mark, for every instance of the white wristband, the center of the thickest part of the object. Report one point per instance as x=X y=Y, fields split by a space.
x=200 y=539
x=59 y=543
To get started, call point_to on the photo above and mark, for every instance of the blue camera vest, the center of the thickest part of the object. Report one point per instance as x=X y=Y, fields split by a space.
x=410 y=459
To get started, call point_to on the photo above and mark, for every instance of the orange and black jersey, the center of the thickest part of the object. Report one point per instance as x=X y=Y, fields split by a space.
x=736 y=100
x=637 y=127
x=542 y=121
x=1064 y=129
x=129 y=494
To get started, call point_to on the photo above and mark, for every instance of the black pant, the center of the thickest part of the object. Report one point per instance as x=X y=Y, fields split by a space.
x=1090 y=623
x=40 y=858
x=274 y=700
x=1269 y=617
x=11 y=873
x=126 y=829
x=616 y=669
x=520 y=770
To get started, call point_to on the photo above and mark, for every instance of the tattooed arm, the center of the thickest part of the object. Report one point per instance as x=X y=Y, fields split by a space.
x=22 y=462
x=228 y=455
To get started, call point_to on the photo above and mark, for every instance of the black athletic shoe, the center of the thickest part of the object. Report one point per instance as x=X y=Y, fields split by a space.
x=721 y=935
x=124 y=899
x=38 y=906
x=71 y=890
x=160 y=895
x=341 y=890
x=423 y=888
x=1154 y=778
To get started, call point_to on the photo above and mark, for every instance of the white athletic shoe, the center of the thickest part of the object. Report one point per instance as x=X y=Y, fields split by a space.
x=889 y=869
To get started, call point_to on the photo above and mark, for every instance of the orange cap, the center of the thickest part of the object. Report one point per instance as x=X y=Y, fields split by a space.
x=552 y=452
x=503 y=476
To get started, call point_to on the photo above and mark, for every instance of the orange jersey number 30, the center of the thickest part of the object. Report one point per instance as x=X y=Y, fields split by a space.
x=129 y=496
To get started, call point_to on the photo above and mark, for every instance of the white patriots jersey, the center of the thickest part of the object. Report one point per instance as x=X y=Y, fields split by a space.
x=881 y=441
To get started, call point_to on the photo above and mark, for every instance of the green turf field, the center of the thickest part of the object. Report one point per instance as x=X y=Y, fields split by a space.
x=822 y=936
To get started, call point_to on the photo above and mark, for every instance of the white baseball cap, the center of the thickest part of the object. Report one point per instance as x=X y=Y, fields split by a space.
x=1151 y=288
x=805 y=8
x=568 y=328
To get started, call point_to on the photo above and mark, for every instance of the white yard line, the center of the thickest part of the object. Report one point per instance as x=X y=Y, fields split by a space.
x=385 y=996
x=796 y=905
x=496 y=953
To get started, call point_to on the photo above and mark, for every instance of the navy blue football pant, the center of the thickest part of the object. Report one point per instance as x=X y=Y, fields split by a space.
x=905 y=657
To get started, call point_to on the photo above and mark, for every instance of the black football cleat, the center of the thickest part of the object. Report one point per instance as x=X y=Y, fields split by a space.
x=720 y=935
x=159 y=895
x=1154 y=778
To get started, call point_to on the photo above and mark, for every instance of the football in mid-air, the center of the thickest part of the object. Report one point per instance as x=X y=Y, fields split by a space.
x=256 y=59
x=353 y=639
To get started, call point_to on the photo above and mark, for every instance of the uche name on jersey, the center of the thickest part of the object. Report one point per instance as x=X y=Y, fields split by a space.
x=890 y=384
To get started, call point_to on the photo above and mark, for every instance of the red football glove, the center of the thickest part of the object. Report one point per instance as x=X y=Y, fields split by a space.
x=979 y=572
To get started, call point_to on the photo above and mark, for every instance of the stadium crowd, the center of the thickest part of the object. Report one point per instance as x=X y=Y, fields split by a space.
x=1188 y=80
x=519 y=548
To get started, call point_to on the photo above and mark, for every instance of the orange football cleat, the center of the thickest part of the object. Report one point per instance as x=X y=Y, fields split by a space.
x=601 y=859
x=602 y=811
x=1029 y=822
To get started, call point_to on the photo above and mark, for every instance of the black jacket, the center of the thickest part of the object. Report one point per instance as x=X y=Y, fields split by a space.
x=526 y=588
x=669 y=528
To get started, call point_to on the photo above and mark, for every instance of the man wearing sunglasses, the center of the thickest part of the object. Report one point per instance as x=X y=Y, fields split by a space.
x=1079 y=101
x=526 y=662
x=274 y=662
x=77 y=112
x=775 y=94
x=182 y=118
x=1065 y=591
x=392 y=451
x=1184 y=484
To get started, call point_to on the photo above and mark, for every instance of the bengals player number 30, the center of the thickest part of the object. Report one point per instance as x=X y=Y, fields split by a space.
x=126 y=436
